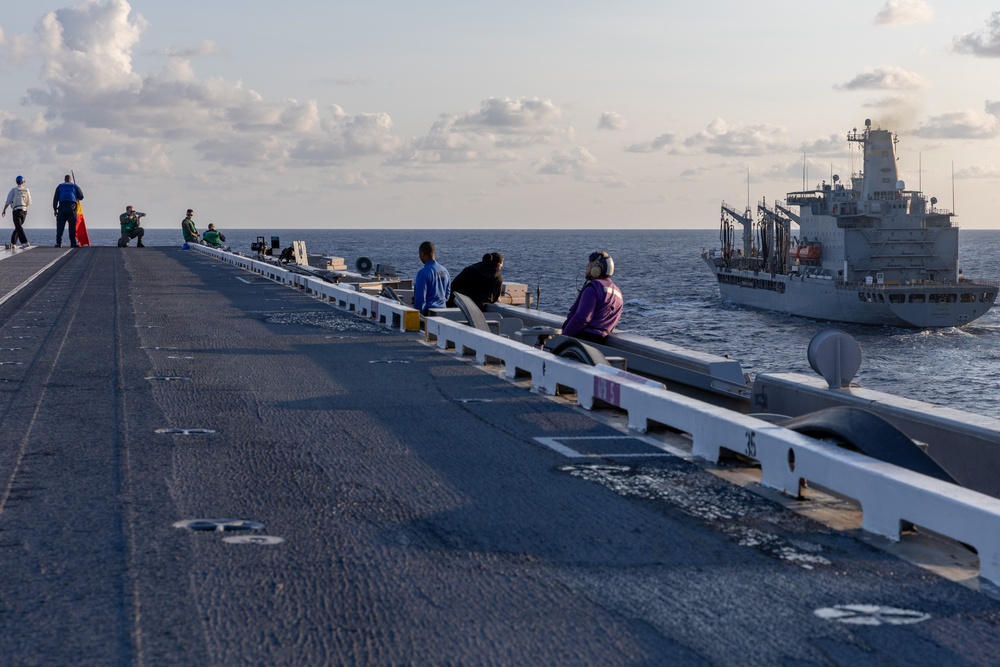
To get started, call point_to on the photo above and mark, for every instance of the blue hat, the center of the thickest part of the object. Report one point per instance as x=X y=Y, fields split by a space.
x=19 y=179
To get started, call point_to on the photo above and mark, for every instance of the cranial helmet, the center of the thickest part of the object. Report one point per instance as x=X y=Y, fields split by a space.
x=600 y=265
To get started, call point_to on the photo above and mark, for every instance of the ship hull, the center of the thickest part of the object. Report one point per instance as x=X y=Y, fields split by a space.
x=937 y=305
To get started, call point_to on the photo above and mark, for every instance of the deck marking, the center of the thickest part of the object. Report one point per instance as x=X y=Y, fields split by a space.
x=185 y=431
x=553 y=443
x=869 y=614
x=28 y=281
x=253 y=539
x=243 y=280
x=556 y=444
x=220 y=525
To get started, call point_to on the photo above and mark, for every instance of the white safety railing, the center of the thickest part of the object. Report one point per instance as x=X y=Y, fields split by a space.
x=888 y=495
x=371 y=306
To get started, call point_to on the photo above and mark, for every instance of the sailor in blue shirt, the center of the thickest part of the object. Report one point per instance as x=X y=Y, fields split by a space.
x=431 y=288
x=64 y=205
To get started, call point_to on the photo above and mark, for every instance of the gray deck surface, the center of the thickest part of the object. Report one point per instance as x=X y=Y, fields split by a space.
x=423 y=524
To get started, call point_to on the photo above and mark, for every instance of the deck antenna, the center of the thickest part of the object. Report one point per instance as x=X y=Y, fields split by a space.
x=920 y=171
x=804 y=176
x=953 y=187
x=748 y=187
x=851 y=151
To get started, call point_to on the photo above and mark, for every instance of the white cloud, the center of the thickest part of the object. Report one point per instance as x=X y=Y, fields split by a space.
x=884 y=78
x=835 y=144
x=91 y=93
x=665 y=141
x=611 y=120
x=243 y=151
x=512 y=178
x=966 y=124
x=695 y=173
x=985 y=44
x=133 y=157
x=742 y=140
x=88 y=48
x=904 y=12
x=507 y=115
x=346 y=137
x=983 y=171
x=28 y=129
x=798 y=173
x=719 y=138
x=581 y=165
x=445 y=143
x=497 y=132
x=350 y=180
x=206 y=47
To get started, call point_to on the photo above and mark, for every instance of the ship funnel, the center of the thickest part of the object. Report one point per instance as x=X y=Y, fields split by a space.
x=880 y=172
x=835 y=356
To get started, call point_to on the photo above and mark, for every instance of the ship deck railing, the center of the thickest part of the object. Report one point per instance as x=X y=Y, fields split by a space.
x=888 y=495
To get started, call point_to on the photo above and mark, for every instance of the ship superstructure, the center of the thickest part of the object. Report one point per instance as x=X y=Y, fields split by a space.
x=871 y=252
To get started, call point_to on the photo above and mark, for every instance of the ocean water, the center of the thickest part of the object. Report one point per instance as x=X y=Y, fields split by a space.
x=670 y=295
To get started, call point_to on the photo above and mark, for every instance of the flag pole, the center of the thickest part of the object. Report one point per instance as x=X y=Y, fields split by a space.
x=82 y=237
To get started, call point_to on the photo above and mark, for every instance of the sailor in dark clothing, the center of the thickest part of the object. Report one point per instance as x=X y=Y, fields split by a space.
x=482 y=282
x=64 y=205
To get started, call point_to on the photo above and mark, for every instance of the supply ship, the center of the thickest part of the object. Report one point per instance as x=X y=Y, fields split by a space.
x=871 y=252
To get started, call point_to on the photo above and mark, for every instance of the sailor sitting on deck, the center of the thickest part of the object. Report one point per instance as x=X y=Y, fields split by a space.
x=189 y=230
x=598 y=306
x=431 y=286
x=482 y=282
x=213 y=237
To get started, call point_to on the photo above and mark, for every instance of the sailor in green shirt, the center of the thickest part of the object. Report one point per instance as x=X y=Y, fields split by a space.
x=189 y=230
x=213 y=237
x=129 y=221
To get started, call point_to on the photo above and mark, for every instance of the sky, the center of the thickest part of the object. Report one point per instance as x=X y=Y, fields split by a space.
x=387 y=114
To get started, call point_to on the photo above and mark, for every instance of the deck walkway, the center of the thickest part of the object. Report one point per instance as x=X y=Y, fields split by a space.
x=423 y=522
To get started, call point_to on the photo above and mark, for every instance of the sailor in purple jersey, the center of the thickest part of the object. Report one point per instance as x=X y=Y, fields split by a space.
x=598 y=306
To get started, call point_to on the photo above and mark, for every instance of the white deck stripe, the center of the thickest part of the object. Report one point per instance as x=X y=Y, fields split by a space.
x=28 y=281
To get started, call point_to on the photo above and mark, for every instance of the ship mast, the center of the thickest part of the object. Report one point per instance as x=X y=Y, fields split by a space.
x=745 y=219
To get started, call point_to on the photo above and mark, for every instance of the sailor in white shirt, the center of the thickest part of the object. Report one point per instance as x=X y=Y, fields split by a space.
x=19 y=199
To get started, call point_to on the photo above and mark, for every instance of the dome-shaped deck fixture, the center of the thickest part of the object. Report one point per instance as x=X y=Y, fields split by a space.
x=835 y=356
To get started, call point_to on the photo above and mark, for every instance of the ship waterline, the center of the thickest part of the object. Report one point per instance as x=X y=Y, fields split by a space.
x=923 y=306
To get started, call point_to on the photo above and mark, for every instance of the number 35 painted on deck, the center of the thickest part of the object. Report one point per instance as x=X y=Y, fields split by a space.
x=751 y=448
